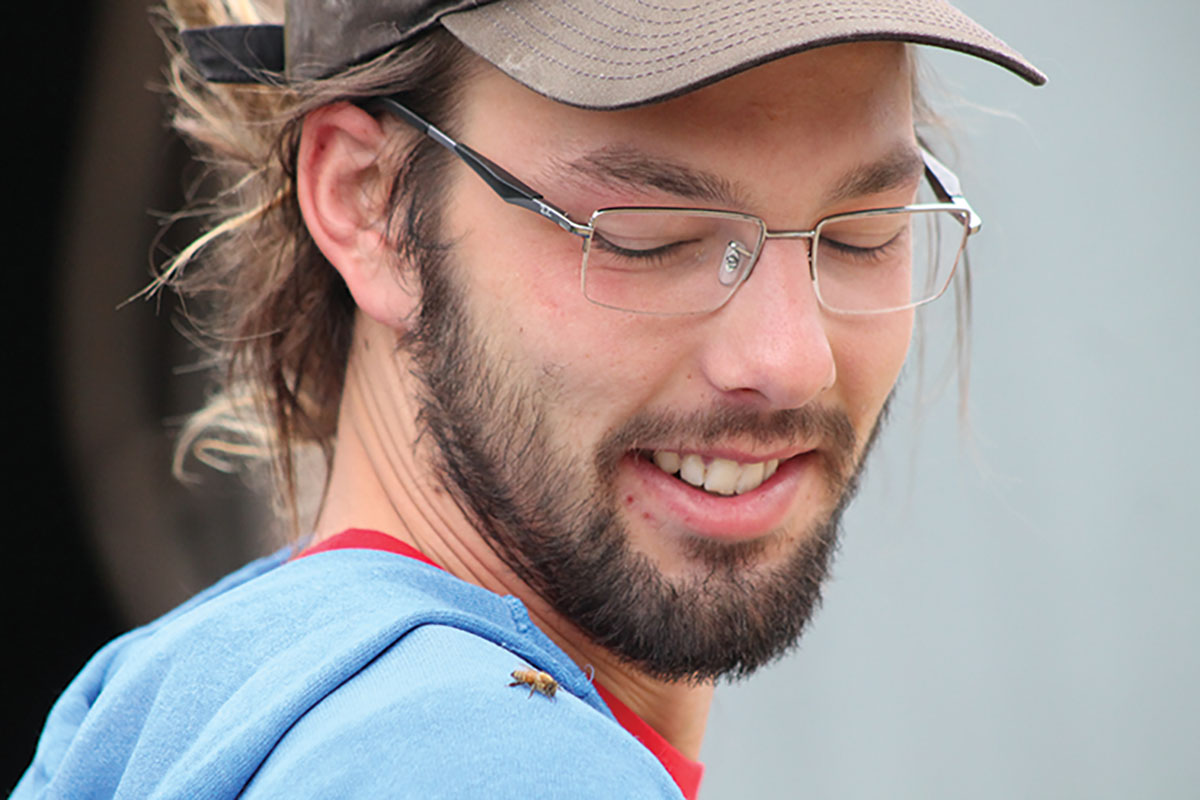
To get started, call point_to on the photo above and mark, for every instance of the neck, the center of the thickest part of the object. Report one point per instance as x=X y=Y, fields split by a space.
x=381 y=478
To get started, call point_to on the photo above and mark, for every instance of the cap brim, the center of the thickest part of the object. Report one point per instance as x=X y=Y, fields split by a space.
x=609 y=54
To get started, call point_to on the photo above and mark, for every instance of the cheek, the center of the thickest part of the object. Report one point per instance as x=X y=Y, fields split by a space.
x=513 y=261
x=588 y=365
x=870 y=352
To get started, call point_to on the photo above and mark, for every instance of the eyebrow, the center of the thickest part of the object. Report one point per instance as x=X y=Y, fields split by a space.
x=622 y=166
x=900 y=167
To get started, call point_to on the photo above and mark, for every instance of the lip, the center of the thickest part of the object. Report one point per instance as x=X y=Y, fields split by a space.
x=732 y=518
x=740 y=456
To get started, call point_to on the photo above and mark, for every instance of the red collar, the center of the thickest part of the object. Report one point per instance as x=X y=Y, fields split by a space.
x=363 y=539
x=686 y=772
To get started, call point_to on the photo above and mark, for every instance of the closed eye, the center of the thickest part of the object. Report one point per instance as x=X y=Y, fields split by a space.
x=863 y=252
x=662 y=251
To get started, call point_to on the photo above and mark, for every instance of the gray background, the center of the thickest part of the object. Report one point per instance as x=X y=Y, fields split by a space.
x=1014 y=610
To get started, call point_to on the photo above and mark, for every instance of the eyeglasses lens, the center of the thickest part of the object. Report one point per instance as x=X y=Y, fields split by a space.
x=881 y=261
x=662 y=261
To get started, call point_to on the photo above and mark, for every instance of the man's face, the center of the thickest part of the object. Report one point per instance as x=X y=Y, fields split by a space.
x=558 y=422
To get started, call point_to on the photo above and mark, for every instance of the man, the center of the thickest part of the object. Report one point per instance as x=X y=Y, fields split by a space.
x=595 y=309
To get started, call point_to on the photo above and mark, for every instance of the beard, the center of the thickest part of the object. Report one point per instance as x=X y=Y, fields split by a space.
x=553 y=517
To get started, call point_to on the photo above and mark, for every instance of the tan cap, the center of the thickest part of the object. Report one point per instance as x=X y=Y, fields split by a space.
x=590 y=53
x=616 y=53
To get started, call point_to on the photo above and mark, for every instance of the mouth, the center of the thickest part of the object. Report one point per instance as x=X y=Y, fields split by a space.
x=726 y=496
x=724 y=477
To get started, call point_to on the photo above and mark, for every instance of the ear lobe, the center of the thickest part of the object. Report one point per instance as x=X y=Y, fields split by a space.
x=342 y=192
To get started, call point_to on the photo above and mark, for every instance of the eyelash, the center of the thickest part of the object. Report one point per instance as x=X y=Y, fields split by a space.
x=863 y=253
x=656 y=253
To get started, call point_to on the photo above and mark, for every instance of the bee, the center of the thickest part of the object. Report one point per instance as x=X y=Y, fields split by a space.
x=536 y=680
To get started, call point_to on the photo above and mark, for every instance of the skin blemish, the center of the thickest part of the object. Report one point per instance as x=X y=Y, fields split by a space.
x=769 y=112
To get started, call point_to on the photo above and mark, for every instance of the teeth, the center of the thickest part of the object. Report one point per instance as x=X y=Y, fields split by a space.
x=691 y=469
x=667 y=461
x=751 y=477
x=720 y=476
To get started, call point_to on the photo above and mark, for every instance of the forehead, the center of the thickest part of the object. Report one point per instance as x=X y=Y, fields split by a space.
x=823 y=112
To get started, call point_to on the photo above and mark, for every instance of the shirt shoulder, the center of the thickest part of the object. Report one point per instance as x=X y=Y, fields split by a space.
x=435 y=716
x=296 y=659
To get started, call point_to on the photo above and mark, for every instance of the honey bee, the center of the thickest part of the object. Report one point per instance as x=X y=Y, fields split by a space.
x=536 y=680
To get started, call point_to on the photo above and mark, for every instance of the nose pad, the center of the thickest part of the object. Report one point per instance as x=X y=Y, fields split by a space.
x=733 y=263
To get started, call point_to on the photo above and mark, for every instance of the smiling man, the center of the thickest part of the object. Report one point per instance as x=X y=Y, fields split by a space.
x=595 y=310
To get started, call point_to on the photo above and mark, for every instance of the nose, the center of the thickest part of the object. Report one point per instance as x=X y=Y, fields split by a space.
x=769 y=344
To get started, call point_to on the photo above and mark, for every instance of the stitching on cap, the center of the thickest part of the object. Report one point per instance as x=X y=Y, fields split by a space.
x=731 y=11
x=764 y=12
x=675 y=62
x=675 y=13
x=803 y=19
x=942 y=14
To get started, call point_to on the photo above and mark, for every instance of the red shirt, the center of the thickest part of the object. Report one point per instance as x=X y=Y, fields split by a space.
x=686 y=772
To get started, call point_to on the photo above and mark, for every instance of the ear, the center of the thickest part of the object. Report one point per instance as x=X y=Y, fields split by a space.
x=342 y=190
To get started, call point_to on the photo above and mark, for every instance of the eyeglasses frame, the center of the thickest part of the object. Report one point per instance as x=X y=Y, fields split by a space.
x=512 y=190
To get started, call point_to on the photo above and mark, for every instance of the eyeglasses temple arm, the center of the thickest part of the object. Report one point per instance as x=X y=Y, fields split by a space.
x=510 y=188
x=947 y=188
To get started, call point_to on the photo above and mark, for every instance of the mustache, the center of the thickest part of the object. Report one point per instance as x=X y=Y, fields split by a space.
x=828 y=430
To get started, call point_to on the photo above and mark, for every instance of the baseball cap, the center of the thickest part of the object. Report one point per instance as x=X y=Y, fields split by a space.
x=602 y=54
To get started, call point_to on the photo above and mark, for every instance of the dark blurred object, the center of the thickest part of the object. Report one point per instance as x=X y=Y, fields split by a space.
x=105 y=537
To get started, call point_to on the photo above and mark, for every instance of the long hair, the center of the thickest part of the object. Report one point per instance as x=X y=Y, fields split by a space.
x=272 y=313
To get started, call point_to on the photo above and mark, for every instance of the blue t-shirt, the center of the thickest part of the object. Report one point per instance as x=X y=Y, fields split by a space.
x=349 y=673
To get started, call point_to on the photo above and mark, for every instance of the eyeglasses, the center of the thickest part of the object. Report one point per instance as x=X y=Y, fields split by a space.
x=676 y=261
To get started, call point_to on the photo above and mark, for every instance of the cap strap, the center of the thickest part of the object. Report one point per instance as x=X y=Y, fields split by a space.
x=236 y=53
